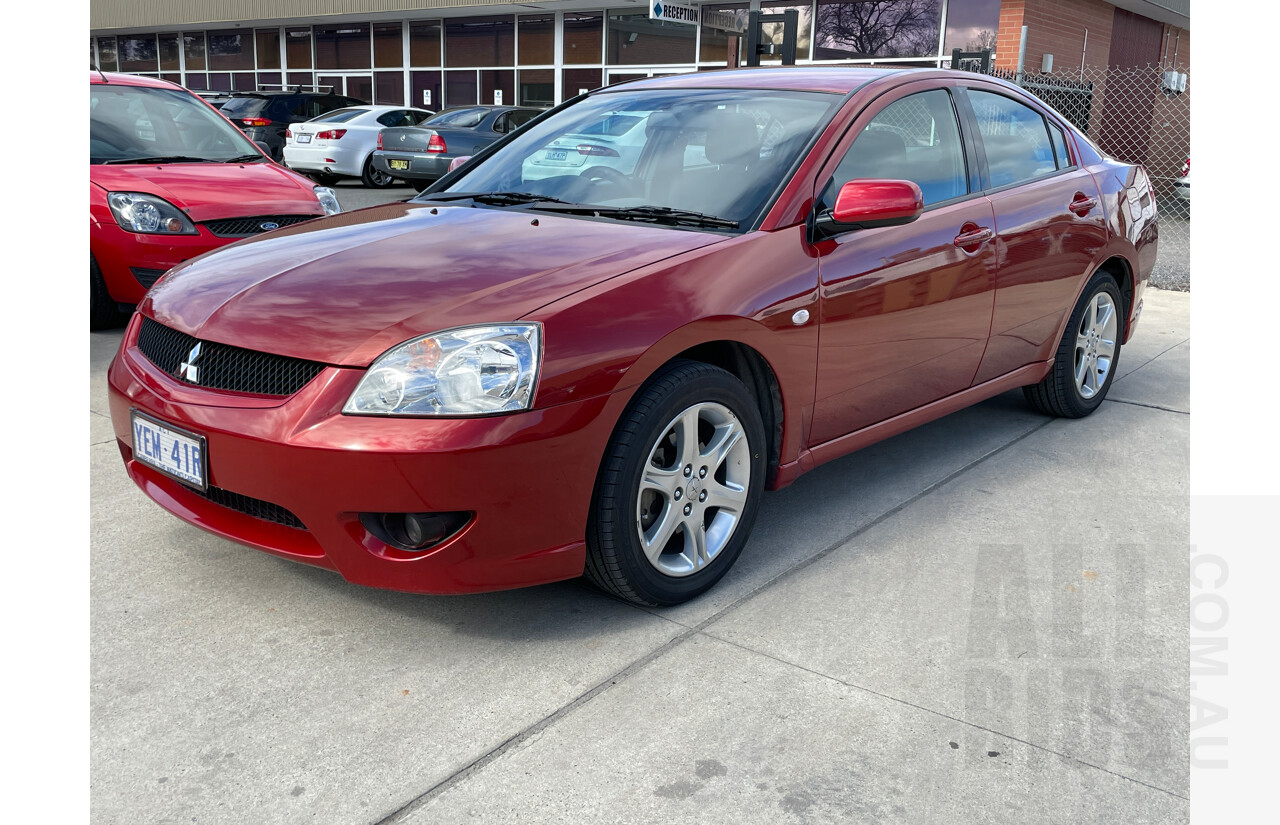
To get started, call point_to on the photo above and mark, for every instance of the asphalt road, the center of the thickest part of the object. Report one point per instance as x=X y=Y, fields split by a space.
x=982 y=620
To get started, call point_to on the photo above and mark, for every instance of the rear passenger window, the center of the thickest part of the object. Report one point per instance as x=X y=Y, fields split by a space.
x=916 y=139
x=1015 y=139
x=1059 y=146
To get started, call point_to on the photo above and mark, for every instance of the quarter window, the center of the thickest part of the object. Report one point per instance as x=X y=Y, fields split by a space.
x=1059 y=146
x=1015 y=139
x=916 y=139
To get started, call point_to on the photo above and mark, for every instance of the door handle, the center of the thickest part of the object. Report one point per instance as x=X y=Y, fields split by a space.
x=974 y=237
x=1082 y=204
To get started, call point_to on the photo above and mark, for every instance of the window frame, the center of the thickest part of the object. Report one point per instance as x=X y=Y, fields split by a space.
x=980 y=147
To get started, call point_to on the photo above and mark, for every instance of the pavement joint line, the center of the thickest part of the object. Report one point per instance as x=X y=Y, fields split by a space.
x=402 y=813
x=1149 y=406
x=1159 y=354
x=99 y=443
x=840 y=681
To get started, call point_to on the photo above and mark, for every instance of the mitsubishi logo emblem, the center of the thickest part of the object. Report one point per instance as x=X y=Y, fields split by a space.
x=188 y=369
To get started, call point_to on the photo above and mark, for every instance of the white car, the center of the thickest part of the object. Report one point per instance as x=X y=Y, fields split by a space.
x=340 y=144
x=1182 y=183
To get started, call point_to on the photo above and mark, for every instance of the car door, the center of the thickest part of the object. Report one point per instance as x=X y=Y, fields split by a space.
x=905 y=310
x=1050 y=226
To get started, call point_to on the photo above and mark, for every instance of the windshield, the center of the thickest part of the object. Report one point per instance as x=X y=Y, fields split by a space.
x=338 y=116
x=718 y=152
x=457 y=117
x=137 y=122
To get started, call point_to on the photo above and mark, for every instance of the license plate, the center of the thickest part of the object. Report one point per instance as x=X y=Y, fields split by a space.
x=304 y=138
x=398 y=165
x=557 y=154
x=173 y=452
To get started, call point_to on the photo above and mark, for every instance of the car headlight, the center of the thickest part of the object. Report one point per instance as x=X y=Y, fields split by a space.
x=328 y=199
x=478 y=370
x=139 y=212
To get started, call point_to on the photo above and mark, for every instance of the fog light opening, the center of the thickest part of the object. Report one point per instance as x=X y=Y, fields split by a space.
x=414 y=532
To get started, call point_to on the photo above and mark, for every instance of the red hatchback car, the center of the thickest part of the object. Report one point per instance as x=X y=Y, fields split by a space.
x=170 y=179
x=515 y=379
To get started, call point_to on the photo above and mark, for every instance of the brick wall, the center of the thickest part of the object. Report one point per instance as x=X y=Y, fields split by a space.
x=1055 y=27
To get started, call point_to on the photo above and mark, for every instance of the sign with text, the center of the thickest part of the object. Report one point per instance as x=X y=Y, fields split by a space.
x=675 y=12
x=725 y=21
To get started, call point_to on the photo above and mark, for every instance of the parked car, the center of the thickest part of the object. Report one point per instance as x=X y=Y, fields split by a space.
x=170 y=179
x=341 y=143
x=615 y=143
x=422 y=154
x=1182 y=183
x=264 y=116
x=215 y=99
x=504 y=381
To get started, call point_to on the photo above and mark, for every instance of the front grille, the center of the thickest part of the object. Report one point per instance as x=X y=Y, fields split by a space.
x=221 y=366
x=244 y=227
x=146 y=277
x=255 y=507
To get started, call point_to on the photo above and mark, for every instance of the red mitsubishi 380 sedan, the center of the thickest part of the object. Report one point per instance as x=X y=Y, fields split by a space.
x=519 y=377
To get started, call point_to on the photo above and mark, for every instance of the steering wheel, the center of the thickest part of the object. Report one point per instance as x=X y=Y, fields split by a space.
x=606 y=173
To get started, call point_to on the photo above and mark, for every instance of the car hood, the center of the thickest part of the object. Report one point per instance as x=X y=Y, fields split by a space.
x=206 y=191
x=344 y=289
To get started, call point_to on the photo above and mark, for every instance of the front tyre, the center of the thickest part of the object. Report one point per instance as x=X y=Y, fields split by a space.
x=1086 y=360
x=679 y=487
x=104 y=312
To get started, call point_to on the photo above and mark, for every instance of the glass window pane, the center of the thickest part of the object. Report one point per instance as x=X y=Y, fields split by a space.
x=230 y=50
x=1059 y=147
x=298 y=48
x=889 y=28
x=1014 y=137
x=244 y=81
x=388 y=47
x=583 y=34
x=343 y=46
x=916 y=139
x=574 y=81
x=270 y=79
x=480 y=41
x=713 y=44
x=268 y=48
x=303 y=79
x=193 y=46
x=389 y=88
x=172 y=77
x=495 y=80
x=107 y=54
x=197 y=80
x=537 y=40
x=220 y=81
x=170 y=52
x=460 y=89
x=536 y=87
x=971 y=25
x=424 y=43
x=137 y=53
x=427 y=91
x=636 y=40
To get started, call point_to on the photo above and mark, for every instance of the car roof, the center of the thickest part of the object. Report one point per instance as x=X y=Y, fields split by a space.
x=99 y=78
x=838 y=79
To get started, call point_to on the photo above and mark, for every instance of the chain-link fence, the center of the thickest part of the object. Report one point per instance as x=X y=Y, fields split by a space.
x=1137 y=115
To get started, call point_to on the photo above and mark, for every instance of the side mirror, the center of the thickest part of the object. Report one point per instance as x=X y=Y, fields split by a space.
x=458 y=161
x=868 y=203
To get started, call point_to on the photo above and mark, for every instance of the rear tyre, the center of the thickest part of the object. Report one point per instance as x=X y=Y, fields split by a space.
x=374 y=178
x=325 y=180
x=679 y=487
x=104 y=312
x=1085 y=363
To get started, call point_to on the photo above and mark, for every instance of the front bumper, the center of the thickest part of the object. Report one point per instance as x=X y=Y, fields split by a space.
x=118 y=253
x=528 y=478
x=421 y=166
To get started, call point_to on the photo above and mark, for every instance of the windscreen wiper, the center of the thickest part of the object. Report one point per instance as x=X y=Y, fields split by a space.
x=493 y=198
x=161 y=159
x=656 y=214
x=245 y=159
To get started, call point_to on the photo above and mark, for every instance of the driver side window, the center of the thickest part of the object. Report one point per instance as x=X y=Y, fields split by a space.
x=916 y=139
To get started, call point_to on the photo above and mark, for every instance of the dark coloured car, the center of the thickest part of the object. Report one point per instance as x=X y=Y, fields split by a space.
x=517 y=378
x=421 y=154
x=264 y=116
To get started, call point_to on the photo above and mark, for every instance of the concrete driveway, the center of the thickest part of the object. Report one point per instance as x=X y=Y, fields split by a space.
x=982 y=620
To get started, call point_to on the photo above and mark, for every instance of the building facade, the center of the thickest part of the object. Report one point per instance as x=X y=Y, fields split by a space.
x=440 y=53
